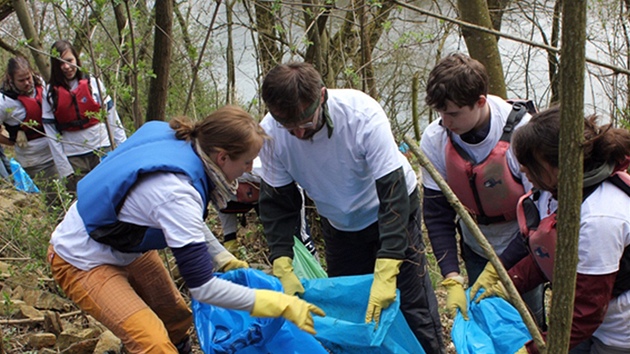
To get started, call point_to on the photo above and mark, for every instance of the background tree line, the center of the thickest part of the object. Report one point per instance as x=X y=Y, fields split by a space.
x=164 y=58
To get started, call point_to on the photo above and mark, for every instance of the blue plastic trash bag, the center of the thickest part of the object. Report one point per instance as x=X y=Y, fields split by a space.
x=21 y=180
x=494 y=326
x=221 y=330
x=344 y=331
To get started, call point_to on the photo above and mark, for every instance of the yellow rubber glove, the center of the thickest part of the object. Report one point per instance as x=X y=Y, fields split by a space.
x=234 y=264
x=456 y=296
x=383 y=291
x=496 y=290
x=283 y=269
x=486 y=280
x=522 y=351
x=226 y=261
x=231 y=246
x=270 y=303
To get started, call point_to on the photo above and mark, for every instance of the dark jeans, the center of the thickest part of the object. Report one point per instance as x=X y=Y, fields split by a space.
x=354 y=253
x=5 y=165
x=44 y=175
x=82 y=165
x=534 y=299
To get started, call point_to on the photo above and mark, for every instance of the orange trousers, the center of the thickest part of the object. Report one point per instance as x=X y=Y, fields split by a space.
x=139 y=303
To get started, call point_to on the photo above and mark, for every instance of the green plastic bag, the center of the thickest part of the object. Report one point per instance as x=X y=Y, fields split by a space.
x=305 y=266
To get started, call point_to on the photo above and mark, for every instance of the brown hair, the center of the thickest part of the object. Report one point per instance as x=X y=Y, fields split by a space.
x=14 y=65
x=457 y=78
x=289 y=88
x=229 y=129
x=57 y=77
x=539 y=140
x=56 y=74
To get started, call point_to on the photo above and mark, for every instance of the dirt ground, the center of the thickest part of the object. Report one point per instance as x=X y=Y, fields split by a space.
x=23 y=271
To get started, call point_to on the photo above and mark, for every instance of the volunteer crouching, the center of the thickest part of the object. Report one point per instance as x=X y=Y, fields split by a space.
x=151 y=193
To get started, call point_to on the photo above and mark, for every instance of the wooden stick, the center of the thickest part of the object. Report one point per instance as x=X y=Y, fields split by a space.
x=481 y=239
x=37 y=319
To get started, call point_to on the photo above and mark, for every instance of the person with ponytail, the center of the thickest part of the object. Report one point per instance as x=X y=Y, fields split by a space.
x=601 y=314
x=21 y=93
x=73 y=100
x=151 y=193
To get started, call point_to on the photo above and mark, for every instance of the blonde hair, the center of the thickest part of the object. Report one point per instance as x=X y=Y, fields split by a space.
x=229 y=128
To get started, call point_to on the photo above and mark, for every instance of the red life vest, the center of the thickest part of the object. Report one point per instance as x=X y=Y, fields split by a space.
x=72 y=107
x=541 y=235
x=488 y=189
x=32 y=123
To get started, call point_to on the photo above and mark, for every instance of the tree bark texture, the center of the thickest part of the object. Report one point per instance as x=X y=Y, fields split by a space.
x=230 y=97
x=482 y=45
x=42 y=62
x=268 y=51
x=554 y=77
x=158 y=92
x=572 y=66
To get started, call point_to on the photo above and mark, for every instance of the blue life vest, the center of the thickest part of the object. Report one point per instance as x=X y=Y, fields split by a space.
x=101 y=194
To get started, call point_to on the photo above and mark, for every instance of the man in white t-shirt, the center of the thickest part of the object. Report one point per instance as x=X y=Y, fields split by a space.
x=338 y=146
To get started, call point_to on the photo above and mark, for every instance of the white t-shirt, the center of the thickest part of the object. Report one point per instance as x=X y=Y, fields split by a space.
x=80 y=142
x=338 y=173
x=604 y=234
x=37 y=151
x=433 y=144
x=165 y=201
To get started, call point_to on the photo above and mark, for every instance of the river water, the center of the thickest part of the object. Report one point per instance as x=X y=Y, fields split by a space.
x=414 y=43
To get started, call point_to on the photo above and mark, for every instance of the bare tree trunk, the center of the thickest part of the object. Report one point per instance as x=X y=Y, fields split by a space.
x=367 y=70
x=189 y=45
x=158 y=92
x=552 y=57
x=496 y=9
x=132 y=76
x=626 y=15
x=203 y=49
x=84 y=32
x=41 y=60
x=268 y=51
x=230 y=96
x=415 y=115
x=482 y=45
x=315 y=19
x=571 y=159
x=6 y=9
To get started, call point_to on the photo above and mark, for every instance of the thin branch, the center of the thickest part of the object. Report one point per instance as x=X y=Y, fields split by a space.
x=483 y=242
x=508 y=36
x=203 y=49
